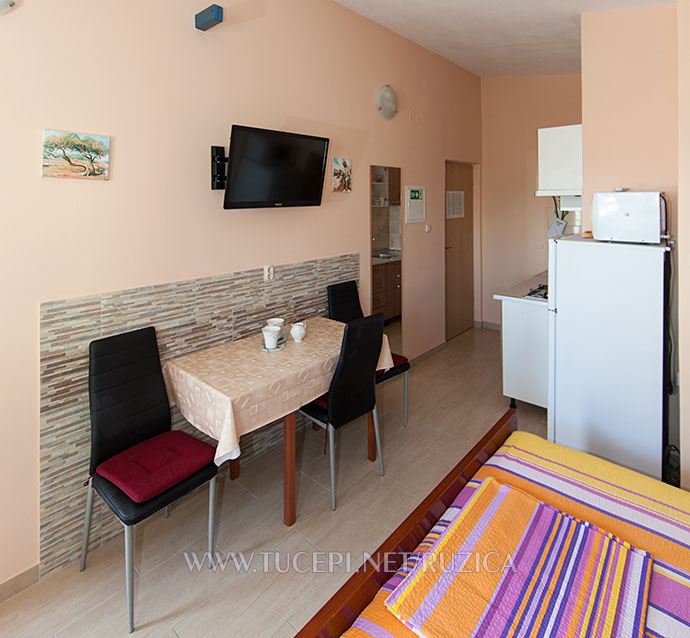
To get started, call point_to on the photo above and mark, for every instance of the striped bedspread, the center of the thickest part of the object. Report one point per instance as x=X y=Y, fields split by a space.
x=510 y=565
x=648 y=514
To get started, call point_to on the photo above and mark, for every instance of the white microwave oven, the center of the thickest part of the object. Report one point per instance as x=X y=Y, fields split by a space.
x=629 y=217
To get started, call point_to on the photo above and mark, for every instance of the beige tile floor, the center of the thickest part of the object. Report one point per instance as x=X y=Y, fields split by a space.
x=455 y=396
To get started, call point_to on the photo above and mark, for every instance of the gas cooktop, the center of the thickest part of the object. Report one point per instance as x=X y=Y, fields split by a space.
x=540 y=292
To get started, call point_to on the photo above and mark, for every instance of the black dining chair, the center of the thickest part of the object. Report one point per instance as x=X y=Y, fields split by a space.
x=139 y=465
x=343 y=305
x=351 y=393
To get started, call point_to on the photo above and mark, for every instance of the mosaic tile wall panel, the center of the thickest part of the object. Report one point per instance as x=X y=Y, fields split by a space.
x=188 y=316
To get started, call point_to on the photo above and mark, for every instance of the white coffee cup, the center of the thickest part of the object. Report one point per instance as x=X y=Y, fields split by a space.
x=298 y=331
x=271 y=334
x=276 y=321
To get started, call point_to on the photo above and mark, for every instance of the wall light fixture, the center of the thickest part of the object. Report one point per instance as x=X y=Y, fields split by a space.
x=6 y=5
x=387 y=101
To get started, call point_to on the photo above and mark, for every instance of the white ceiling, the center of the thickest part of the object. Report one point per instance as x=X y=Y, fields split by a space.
x=495 y=37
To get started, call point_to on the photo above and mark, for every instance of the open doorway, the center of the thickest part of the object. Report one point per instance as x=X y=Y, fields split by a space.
x=386 y=250
x=459 y=245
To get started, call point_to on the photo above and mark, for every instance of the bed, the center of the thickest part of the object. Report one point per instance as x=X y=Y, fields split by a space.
x=642 y=512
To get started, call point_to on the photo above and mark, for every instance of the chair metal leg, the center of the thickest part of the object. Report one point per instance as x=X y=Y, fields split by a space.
x=378 y=439
x=211 y=518
x=405 y=400
x=167 y=511
x=331 y=450
x=87 y=526
x=129 y=576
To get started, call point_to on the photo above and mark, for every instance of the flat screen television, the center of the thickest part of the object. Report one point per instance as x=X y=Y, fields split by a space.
x=268 y=169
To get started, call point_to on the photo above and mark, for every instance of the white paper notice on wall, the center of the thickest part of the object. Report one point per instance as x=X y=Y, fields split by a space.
x=415 y=209
x=455 y=204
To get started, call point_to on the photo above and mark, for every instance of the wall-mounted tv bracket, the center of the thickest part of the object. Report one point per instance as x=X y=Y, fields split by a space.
x=209 y=17
x=218 y=171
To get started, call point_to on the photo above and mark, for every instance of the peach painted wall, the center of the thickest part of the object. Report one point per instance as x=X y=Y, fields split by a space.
x=683 y=8
x=166 y=92
x=630 y=112
x=630 y=102
x=514 y=221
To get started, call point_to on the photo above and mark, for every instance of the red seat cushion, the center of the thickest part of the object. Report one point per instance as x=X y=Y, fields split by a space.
x=157 y=464
x=398 y=360
x=322 y=401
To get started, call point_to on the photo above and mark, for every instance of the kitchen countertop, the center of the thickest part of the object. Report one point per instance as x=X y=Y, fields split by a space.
x=379 y=260
x=518 y=292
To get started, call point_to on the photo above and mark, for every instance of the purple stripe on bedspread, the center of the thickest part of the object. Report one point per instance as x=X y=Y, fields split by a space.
x=374 y=630
x=669 y=595
x=596 y=478
x=465 y=495
x=591 y=505
x=625 y=504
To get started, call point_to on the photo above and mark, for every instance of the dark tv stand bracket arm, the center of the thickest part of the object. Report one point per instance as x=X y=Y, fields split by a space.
x=218 y=170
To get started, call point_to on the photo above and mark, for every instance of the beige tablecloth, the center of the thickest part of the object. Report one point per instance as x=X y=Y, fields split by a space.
x=236 y=388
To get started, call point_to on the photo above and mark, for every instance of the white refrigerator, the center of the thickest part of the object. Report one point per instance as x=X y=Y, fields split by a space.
x=606 y=307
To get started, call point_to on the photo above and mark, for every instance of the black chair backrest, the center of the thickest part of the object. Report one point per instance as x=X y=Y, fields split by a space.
x=343 y=302
x=127 y=394
x=352 y=388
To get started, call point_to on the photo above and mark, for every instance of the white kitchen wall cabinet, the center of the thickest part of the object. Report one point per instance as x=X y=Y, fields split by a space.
x=560 y=160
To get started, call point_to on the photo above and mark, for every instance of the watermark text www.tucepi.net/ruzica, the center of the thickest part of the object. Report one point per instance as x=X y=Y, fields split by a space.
x=322 y=562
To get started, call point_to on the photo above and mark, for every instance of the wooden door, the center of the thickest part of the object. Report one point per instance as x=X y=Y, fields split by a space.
x=459 y=253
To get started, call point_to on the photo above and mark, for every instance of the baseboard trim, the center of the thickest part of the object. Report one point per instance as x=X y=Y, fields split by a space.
x=19 y=583
x=427 y=354
x=488 y=325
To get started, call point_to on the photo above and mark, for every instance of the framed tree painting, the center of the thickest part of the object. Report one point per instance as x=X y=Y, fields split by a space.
x=75 y=155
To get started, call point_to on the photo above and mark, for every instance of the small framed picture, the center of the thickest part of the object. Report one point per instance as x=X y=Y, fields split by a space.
x=75 y=155
x=342 y=175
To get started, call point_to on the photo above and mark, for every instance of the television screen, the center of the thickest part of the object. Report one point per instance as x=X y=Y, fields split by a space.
x=273 y=168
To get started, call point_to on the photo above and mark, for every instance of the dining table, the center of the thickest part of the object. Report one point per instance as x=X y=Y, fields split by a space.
x=238 y=387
